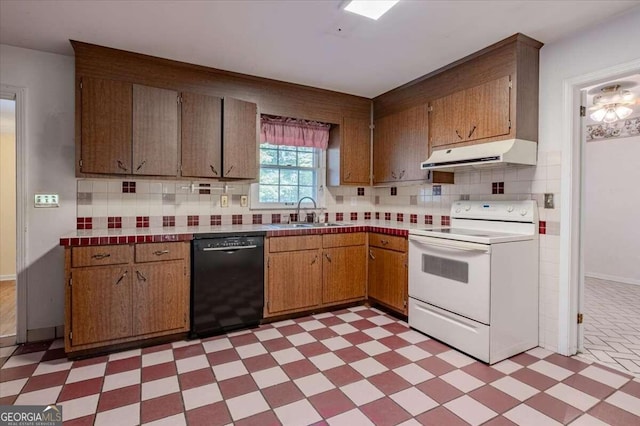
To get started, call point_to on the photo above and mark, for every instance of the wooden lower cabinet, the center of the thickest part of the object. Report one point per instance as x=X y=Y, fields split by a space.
x=295 y=281
x=388 y=278
x=125 y=301
x=344 y=273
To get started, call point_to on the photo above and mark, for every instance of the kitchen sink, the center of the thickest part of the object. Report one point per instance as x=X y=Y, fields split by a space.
x=308 y=225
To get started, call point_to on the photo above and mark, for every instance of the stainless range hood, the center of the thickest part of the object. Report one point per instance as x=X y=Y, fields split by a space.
x=512 y=151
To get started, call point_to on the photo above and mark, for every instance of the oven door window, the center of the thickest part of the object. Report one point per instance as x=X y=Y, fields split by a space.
x=455 y=270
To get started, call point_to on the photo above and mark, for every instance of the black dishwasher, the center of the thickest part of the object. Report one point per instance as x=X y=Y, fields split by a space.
x=227 y=282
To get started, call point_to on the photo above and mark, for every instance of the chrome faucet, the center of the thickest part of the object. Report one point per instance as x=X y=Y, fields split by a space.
x=315 y=206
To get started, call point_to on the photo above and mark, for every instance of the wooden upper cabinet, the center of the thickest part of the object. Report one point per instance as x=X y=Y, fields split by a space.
x=400 y=143
x=355 y=151
x=105 y=138
x=477 y=113
x=201 y=136
x=240 y=139
x=155 y=131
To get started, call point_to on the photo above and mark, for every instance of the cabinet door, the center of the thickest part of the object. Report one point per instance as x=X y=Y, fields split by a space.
x=488 y=109
x=344 y=273
x=240 y=139
x=388 y=277
x=448 y=120
x=201 y=127
x=400 y=144
x=105 y=144
x=155 y=131
x=100 y=304
x=160 y=295
x=355 y=151
x=295 y=280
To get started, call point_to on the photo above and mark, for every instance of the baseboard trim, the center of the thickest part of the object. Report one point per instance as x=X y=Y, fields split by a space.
x=612 y=278
x=8 y=277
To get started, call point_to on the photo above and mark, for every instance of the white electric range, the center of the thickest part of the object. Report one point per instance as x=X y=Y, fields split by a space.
x=474 y=285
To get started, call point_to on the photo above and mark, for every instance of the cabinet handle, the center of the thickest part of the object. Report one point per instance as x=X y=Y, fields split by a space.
x=347 y=176
x=328 y=257
x=122 y=277
x=471 y=132
x=315 y=259
x=458 y=134
x=371 y=255
x=140 y=166
x=100 y=256
x=401 y=175
x=384 y=242
x=121 y=166
x=229 y=171
x=213 y=169
x=393 y=175
x=160 y=252
x=141 y=276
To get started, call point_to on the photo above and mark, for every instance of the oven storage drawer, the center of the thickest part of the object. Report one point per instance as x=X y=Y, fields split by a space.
x=462 y=333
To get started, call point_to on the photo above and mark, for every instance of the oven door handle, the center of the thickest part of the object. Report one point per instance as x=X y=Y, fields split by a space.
x=450 y=244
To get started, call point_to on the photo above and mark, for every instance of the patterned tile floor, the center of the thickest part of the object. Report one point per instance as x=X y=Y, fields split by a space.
x=352 y=367
x=612 y=324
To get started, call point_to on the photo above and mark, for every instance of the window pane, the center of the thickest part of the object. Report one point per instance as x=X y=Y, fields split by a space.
x=269 y=176
x=287 y=158
x=268 y=194
x=288 y=194
x=305 y=159
x=306 y=177
x=268 y=146
x=307 y=191
x=268 y=156
x=305 y=149
x=288 y=177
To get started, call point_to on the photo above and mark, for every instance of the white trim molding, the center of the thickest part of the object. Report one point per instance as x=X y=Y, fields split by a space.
x=20 y=96
x=570 y=286
x=7 y=277
x=623 y=280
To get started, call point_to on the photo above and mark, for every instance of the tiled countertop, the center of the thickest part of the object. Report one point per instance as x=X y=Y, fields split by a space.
x=149 y=235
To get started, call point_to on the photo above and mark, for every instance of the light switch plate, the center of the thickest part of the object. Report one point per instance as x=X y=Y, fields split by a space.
x=548 y=201
x=46 y=200
x=224 y=200
x=244 y=201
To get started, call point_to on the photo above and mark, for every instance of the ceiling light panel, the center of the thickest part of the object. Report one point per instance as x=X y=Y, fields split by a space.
x=372 y=9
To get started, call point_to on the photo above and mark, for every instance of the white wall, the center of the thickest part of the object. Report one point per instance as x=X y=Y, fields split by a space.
x=612 y=247
x=607 y=44
x=49 y=80
x=7 y=206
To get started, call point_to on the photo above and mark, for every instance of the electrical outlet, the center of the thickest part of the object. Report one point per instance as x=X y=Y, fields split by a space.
x=46 y=200
x=244 y=201
x=548 y=201
x=224 y=200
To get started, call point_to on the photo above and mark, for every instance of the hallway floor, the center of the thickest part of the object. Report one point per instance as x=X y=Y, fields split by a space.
x=7 y=308
x=612 y=324
x=352 y=367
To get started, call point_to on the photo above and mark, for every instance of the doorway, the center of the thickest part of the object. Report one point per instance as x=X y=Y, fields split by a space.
x=8 y=259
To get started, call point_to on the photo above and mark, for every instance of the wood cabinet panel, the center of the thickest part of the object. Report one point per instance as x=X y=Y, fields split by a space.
x=344 y=273
x=343 y=240
x=240 y=139
x=400 y=144
x=388 y=242
x=160 y=296
x=448 y=119
x=101 y=255
x=388 y=278
x=355 y=151
x=201 y=127
x=155 y=131
x=301 y=242
x=294 y=281
x=155 y=252
x=488 y=109
x=100 y=304
x=105 y=126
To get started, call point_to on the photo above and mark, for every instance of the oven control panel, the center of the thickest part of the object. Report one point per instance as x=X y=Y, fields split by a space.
x=514 y=211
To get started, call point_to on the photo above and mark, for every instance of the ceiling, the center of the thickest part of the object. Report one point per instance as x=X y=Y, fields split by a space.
x=312 y=42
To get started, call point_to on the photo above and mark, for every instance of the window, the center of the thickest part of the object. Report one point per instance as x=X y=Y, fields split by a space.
x=287 y=173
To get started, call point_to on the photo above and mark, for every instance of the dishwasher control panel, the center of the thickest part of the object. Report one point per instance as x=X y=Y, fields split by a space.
x=230 y=242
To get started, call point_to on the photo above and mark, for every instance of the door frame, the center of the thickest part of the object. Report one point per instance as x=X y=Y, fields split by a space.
x=19 y=94
x=571 y=284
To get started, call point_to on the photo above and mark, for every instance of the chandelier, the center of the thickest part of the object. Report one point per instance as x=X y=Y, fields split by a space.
x=611 y=104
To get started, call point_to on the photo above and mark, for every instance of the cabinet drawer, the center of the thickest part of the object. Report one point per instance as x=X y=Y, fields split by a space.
x=388 y=242
x=155 y=252
x=343 y=240
x=101 y=255
x=303 y=242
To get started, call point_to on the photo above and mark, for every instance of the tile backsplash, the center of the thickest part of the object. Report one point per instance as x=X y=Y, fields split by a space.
x=114 y=204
